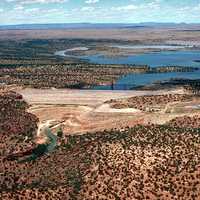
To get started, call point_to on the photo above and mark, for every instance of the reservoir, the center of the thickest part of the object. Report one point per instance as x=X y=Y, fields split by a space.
x=162 y=58
x=154 y=59
x=133 y=80
x=161 y=47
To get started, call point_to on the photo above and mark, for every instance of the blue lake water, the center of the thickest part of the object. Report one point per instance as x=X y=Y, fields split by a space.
x=159 y=46
x=163 y=58
x=132 y=80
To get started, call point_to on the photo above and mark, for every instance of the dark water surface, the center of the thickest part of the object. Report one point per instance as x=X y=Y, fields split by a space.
x=133 y=80
x=163 y=58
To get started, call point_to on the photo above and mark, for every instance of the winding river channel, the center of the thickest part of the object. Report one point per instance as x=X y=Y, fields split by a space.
x=47 y=147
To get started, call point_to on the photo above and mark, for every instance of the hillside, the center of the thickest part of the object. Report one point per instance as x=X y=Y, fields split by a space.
x=143 y=162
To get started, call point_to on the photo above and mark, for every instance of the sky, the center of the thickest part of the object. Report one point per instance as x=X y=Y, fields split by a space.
x=98 y=11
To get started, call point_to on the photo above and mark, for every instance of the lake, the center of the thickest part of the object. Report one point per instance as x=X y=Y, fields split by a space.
x=154 y=59
x=133 y=80
x=163 y=47
x=162 y=58
x=175 y=55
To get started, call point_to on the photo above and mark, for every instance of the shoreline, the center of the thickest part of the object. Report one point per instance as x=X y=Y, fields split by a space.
x=89 y=76
x=121 y=50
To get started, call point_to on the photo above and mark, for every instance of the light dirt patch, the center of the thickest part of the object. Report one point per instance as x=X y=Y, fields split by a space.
x=81 y=97
x=81 y=119
x=107 y=109
x=81 y=111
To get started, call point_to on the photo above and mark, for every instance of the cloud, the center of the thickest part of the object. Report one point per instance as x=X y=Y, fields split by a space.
x=197 y=8
x=155 y=4
x=125 y=8
x=38 y=11
x=36 y=1
x=91 y=1
x=89 y=9
x=19 y=7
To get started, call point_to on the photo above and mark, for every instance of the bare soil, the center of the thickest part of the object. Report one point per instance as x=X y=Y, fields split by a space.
x=81 y=111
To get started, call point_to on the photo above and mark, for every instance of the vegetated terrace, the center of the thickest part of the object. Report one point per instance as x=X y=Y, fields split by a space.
x=76 y=75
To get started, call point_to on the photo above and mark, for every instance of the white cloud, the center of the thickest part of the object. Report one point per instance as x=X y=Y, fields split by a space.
x=155 y=4
x=91 y=1
x=33 y=10
x=125 y=8
x=19 y=7
x=35 y=1
x=197 y=8
x=89 y=9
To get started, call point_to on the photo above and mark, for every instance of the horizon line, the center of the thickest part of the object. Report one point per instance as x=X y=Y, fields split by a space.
x=55 y=23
